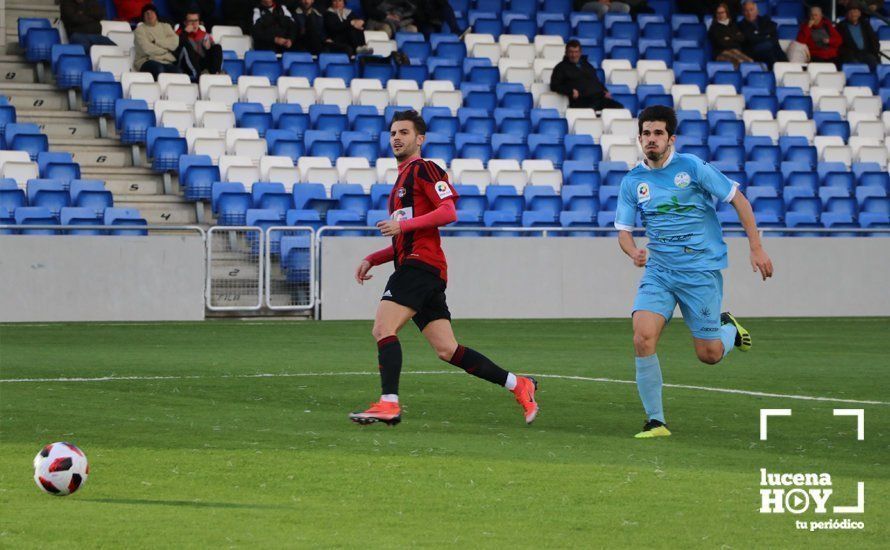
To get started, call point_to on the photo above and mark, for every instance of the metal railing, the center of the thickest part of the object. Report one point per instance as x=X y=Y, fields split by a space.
x=234 y=268
x=290 y=268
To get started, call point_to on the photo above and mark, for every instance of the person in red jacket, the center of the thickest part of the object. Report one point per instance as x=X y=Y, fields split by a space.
x=198 y=54
x=130 y=10
x=820 y=37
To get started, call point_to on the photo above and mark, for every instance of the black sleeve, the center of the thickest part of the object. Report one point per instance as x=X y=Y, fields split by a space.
x=372 y=10
x=558 y=80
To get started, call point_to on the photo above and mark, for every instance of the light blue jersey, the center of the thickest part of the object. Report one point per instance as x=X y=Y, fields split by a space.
x=676 y=204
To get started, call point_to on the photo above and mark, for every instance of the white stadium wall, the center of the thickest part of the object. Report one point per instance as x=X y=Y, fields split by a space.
x=591 y=277
x=85 y=278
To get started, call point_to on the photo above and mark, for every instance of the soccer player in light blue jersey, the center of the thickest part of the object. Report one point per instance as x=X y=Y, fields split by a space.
x=675 y=195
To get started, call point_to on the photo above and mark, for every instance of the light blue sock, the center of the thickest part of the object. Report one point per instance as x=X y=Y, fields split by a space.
x=727 y=336
x=649 y=385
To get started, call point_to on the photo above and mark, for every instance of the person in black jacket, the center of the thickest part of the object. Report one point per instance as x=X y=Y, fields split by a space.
x=389 y=16
x=575 y=78
x=315 y=37
x=860 y=44
x=761 y=36
x=274 y=27
x=81 y=19
x=237 y=13
x=726 y=38
x=344 y=27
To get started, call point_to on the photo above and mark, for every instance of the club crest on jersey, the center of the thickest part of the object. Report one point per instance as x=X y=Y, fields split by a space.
x=643 y=192
x=401 y=192
x=442 y=189
x=682 y=180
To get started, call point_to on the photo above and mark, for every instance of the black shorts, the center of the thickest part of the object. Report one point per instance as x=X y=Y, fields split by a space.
x=420 y=290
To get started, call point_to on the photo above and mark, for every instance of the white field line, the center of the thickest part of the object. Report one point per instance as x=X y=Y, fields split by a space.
x=371 y=373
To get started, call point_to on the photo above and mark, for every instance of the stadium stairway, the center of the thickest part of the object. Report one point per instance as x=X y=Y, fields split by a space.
x=90 y=140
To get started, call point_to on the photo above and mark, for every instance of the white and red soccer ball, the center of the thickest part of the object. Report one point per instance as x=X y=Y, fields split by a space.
x=60 y=469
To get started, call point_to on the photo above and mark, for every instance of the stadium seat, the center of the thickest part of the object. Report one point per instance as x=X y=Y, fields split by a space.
x=35 y=215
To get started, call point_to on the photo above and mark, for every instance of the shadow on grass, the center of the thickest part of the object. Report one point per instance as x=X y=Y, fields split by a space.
x=185 y=503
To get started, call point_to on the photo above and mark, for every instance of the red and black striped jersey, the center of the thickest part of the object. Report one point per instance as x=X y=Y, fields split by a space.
x=420 y=188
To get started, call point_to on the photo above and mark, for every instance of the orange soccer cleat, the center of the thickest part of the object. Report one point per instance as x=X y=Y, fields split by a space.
x=387 y=412
x=525 y=396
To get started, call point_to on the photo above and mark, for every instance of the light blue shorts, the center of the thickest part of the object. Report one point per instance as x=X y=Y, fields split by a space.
x=699 y=294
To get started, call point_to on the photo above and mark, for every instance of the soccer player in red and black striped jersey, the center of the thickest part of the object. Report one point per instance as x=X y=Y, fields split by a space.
x=421 y=201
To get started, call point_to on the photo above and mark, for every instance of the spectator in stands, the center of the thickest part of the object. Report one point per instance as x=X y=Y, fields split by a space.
x=575 y=78
x=761 y=36
x=820 y=37
x=237 y=13
x=197 y=52
x=156 y=44
x=432 y=14
x=726 y=38
x=866 y=7
x=315 y=37
x=274 y=27
x=860 y=42
x=180 y=8
x=81 y=19
x=389 y=16
x=601 y=7
x=130 y=10
x=343 y=27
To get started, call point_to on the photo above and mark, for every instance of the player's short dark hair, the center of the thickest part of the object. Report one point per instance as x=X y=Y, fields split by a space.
x=659 y=113
x=573 y=44
x=413 y=116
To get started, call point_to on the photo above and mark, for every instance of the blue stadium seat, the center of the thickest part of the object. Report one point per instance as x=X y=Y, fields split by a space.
x=39 y=43
x=289 y=117
x=91 y=194
x=26 y=137
x=380 y=195
x=309 y=218
x=875 y=212
x=69 y=62
x=46 y=160
x=346 y=218
x=271 y=69
x=125 y=217
x=543 y=199
x=35 y=215
x=10 y=199
x=285 y=143
x=482 y=126
x=133 y=118
x=542 y=146
x=306 y=69
x=164 y=147
x=580 y=174
x=351 y=197
x=254 y=56
x=502 y=218
x=230 y=202
x=835 y=128
x=252 y=115
x=100 y=92
x=417 y=73
x=271 y=196
x=25 y=24
x=312 y=196
x=296 y=258
x=509 y=147
x=729 y=128
x=264 y=219
x=72 y=215
x=839 y=212
x=196 y=175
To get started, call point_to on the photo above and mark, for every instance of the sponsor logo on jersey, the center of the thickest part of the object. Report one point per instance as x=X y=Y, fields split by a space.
x=674 y=206
x=643 y=192
x=442 y=189
x=682 y=180
x=403 y=214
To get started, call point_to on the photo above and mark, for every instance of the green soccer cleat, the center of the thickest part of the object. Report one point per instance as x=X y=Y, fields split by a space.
x=742 y=337
x=653 y=428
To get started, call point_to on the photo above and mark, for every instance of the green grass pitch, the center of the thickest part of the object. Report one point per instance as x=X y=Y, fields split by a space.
x=206 y=455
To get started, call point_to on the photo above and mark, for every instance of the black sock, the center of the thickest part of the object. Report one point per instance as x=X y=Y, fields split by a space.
x=389 y=357
x=478 y=365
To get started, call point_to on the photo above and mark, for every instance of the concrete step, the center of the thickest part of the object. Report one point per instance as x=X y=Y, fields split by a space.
x=101 y=152
x=35 y=97
x=63 y=124
x=130 y=181
x=160 y=210
x=14 y=68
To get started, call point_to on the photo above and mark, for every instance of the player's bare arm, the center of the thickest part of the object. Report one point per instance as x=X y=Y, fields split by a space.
x=629 y=246
x=759 y=258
